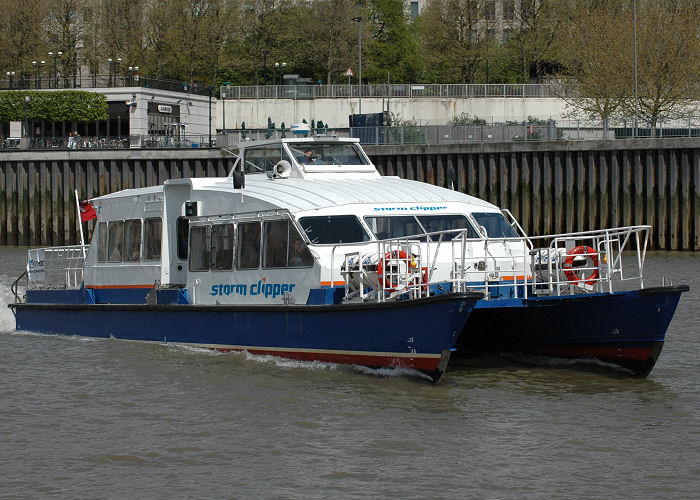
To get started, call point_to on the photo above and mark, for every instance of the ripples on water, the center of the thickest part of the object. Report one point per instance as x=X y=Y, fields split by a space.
x=105 y=418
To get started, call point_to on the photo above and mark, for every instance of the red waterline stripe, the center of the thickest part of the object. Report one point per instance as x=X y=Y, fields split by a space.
x=598 y=352
x=418 y=362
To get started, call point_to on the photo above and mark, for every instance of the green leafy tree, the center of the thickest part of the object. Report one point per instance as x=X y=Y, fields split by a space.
x=393 y=48
x=22 y=36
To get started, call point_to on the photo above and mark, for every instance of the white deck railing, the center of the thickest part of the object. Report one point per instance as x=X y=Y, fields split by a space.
x=561 y=264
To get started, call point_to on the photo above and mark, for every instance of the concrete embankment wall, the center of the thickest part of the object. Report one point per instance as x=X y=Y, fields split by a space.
x=424 y=110
x=550 y=187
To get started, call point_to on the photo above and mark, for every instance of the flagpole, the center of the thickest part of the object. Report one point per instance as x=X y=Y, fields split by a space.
x=80 y=221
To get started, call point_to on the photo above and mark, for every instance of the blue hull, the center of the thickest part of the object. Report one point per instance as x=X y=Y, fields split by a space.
x=417 y=334
x=627 y=329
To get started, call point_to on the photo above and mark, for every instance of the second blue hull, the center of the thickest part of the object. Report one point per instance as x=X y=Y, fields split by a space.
x=627 y=329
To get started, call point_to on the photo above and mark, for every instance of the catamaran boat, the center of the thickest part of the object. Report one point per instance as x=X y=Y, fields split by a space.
x=305 y=251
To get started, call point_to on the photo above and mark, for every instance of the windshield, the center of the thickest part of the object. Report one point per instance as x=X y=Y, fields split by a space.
x=495 y=224
x=314 y=153
x=334 y=229
x=408 y=225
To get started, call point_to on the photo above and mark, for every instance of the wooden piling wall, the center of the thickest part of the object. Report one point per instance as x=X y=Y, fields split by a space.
x=37 y=201
x=549 y=187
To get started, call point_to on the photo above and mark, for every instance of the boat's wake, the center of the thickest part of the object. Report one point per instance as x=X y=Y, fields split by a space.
x=287 y=363
x=540 y=360
x=7 y=319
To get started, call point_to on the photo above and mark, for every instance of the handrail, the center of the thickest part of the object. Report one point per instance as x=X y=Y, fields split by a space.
x=488 y=263
x=15 y=286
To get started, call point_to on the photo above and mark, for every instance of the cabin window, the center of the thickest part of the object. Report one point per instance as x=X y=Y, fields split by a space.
x=115 y=242
x=315 y=153
x=495 y=224
x=102 y=242
x=262 y=159
x=334 y=229
x=435 y=223
x=200 y=242
x=408 y=225
x=248 y=256
x=183 y=229
x=222 y=247
x=284 y=246
x=152 y=231
x=398 y=226
x=132 y=240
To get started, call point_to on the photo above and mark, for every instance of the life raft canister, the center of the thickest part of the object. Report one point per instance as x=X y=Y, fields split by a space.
x=571 y=275
x=392 y=258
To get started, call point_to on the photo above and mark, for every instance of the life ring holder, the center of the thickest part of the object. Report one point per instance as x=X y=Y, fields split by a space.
x=568 y=265
x=392 y=255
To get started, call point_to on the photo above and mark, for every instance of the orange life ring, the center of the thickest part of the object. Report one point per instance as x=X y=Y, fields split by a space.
x=568 y=265
x=394 y=255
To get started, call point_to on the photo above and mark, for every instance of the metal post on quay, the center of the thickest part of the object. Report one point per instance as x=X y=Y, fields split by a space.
x=38 y=66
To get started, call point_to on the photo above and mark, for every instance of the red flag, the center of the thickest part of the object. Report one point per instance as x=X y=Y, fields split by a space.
x=87 y=211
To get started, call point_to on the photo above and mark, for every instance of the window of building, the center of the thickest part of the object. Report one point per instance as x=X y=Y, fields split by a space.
x=414 y=10
x=490 y=10
x=509 y=9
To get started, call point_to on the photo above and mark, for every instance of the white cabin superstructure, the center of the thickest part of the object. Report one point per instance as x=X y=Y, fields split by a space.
x=323 y=191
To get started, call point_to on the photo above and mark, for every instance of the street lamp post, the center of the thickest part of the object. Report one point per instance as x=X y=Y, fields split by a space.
x=358 y=20
x=265 y=54
x=114 y=65
x=278 y=66
x=636 y=95
x=211 y=91
x=38 y=66
x=55 y=69
x=10 y=74
x=26 y=116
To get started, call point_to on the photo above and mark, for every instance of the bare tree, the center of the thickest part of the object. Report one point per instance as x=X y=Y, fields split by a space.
x=597 y=58
x=535 y=28
x=332 y=37
x=668 y=41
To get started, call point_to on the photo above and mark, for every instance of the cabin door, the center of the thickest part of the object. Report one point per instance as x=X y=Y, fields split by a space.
x=176 y=233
